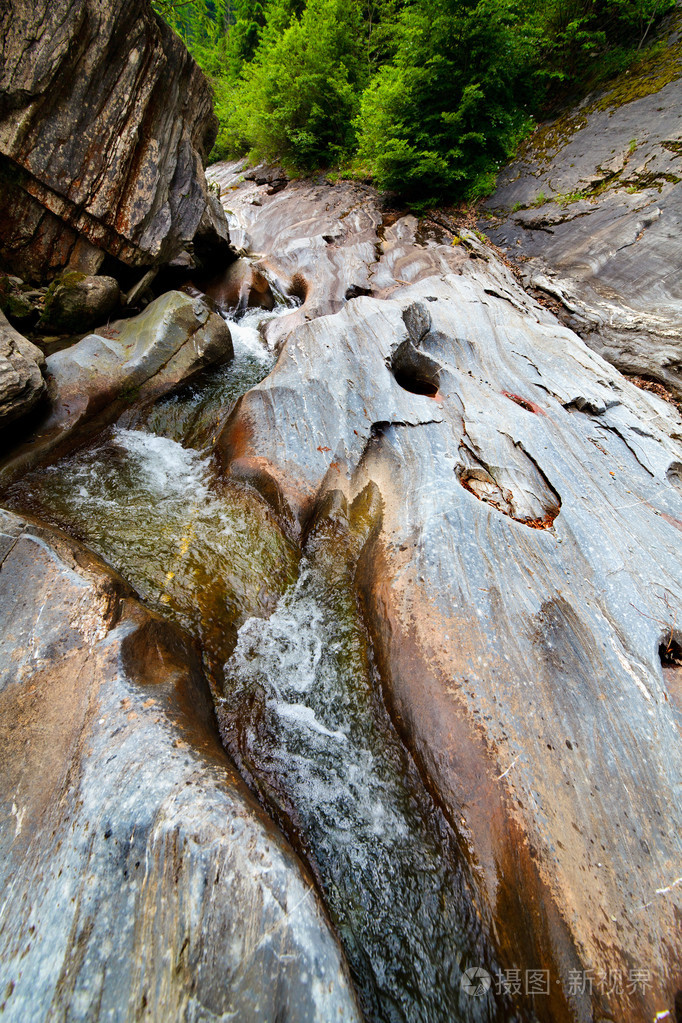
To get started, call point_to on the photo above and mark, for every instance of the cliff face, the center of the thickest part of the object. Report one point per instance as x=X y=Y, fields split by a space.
x=105 y=120
x=591 y=209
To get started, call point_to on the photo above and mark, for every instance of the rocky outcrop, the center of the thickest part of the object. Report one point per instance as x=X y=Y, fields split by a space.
x=591 y=210
x=140 y=879
x=139 y=359
x=327 y=244
x=105 y=121
x=21 y=379
x=522 y=585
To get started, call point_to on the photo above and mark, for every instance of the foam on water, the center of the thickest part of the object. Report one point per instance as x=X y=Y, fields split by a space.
x=308 y=726
x=167 y=470
x=310 y=729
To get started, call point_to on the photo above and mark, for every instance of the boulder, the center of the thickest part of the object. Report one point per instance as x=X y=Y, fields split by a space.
x=133 y=360
x=140 y=878
x=240 y=285
x=75 y=302
x=591 y=210
x=522 y=586
x=21 y=377
x=105 y=121
x=20 y=302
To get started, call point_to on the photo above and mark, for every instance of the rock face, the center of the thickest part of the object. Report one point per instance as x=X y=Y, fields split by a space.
x=592 y=212
x=21 y=378
x=522 y=587
x=105 y=121
x=138 y=359
x=140 y=879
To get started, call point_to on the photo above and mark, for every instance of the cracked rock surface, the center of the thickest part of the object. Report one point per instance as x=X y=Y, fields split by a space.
x=522 y=588
x=140 y=880
x=105 y=121
x=591 y=211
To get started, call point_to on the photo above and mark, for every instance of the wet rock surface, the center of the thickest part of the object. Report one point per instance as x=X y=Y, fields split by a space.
x=591 y=211
x=129 y=360
x=21 y=378
x=521 y=580
x=432 y=558
x=104 y=123
x=326 y=244
x=141 y=881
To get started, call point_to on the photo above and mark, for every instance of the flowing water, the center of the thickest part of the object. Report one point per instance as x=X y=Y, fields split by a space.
x=297 y=695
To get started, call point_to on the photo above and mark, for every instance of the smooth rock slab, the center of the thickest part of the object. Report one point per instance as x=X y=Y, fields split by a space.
x=612 y=258
x=131 y=360
x=139 y=879
x=525 y=573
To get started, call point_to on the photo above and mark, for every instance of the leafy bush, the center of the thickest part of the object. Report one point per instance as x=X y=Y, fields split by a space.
x=429 y=96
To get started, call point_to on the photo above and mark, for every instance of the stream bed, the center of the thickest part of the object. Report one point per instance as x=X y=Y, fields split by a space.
x=297 y=694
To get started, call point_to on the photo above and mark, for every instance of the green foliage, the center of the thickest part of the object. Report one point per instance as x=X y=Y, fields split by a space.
x=298 y=98
x=429 y=97
x=451 y=108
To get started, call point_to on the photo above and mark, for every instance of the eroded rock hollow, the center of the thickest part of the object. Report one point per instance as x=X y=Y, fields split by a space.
x=340 y=586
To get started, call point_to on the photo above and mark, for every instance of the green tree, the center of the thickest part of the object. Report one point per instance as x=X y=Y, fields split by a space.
x=298 y=98
x=452 y=106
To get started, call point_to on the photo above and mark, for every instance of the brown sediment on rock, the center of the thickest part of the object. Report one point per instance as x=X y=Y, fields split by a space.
x=106 y=161
x=530 y=406
x=456 y=764
x=138 y=870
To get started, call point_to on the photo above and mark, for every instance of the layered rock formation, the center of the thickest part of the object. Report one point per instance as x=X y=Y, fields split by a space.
x=140 y=880
x=105 y=121
x=592 y=212
x=522 y=583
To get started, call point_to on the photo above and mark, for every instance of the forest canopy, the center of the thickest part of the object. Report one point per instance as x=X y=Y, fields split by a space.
x=427 y=97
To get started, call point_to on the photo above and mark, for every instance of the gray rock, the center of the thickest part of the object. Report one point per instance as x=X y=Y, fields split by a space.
x=327 y=245
x=523 y=575
x=140 y=879
x=133 y=360
x=75 y=302
x=103 y=132
x=611 y=258
x=21 y=377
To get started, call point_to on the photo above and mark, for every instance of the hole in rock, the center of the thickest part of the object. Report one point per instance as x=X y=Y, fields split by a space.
x=670 y=652
x=535 y=505
x=355 y=291
x=678 y=1007
x=414 y=371
x=674 y=475
x=414 y=384
x=298 y=287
